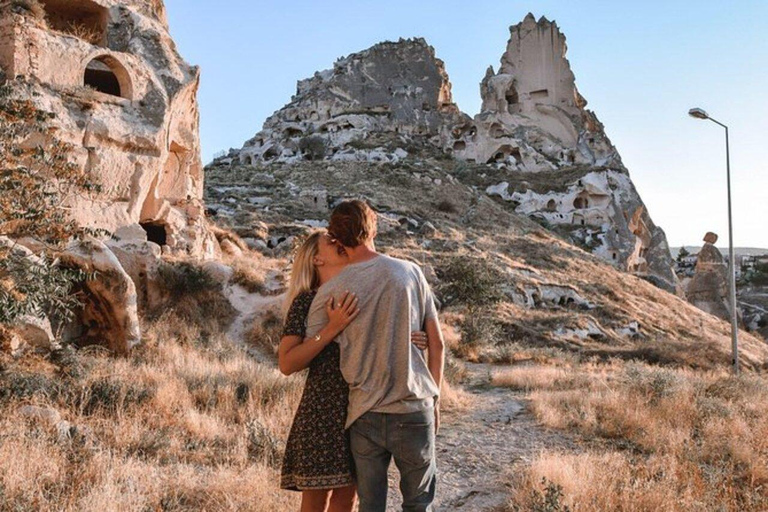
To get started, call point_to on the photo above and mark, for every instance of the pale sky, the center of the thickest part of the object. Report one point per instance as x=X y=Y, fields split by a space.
x=641 y=66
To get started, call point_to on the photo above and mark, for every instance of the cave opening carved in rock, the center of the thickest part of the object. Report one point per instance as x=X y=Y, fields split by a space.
x=155 y=233
x=106 y=75
x=83 y=19
x=513 y=100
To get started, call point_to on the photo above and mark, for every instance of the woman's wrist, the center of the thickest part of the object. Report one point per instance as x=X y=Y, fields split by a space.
x=327 y=334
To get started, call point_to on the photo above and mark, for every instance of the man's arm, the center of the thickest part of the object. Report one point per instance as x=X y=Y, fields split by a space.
x=435 y=359
x=435 y=350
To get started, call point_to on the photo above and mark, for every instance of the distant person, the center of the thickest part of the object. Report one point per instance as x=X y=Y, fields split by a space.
x=318 y=461
x=393 y=387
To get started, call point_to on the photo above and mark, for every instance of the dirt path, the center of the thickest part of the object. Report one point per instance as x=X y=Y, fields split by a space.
x=479 y=448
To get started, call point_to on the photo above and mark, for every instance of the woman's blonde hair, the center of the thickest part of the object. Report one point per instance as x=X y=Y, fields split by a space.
x=304 y=276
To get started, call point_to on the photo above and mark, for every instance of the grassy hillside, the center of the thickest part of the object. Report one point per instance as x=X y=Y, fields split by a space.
x=195 y=418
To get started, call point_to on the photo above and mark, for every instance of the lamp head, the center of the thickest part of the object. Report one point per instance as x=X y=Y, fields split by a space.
x=698 y=113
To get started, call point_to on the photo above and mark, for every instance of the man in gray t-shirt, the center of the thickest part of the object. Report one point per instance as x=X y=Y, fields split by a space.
x=394 y=386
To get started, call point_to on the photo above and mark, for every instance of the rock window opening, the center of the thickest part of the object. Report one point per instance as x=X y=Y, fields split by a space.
x=83 y=19
x=293 y=132
x=460 y=146
x=581 y=203
x=155 y=233
x=106 y=75
x=513 y=99
x=551 y=205
x=540 y=94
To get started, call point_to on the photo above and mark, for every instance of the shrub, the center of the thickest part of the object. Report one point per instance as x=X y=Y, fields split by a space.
x=472 y=282
x=181 y=279
x=249 y=278
x=113 y=396
x=262 y=445
x=549 y=499
x=477 y=331
x=34 y=181
x=266 y=333
x=446 y=206
x=313 y=147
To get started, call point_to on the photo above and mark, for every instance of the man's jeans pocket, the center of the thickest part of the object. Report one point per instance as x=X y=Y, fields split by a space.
x=416 y=433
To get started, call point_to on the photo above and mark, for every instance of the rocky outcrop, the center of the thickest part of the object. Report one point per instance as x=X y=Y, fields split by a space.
x=398 y=89
x=533 y=117
x=534 y=120
x=534 y=126
x=125 y=100
x=708 y=289
x=110 y=314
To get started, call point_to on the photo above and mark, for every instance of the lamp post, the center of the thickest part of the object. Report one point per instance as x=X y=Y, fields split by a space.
x=701 y=114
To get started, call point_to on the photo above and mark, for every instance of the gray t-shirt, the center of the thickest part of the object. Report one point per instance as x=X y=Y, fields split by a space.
x=384 y=370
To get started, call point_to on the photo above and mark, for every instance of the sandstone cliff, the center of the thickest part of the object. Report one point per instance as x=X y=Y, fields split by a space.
x=121 y=94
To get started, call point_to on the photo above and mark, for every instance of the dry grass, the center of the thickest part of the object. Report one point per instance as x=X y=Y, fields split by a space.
x=528 y=378
x=673 y=439
x=187 y=422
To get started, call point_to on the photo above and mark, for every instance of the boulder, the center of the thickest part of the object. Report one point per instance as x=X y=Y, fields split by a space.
x=110 y=316
x=140 y=259
x=35 y=332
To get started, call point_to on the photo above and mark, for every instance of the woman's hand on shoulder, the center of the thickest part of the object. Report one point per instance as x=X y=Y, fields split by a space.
x=419 y=338
x=342 y=312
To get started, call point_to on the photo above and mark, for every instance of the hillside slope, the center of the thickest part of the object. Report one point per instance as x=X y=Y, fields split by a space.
x=554 y=294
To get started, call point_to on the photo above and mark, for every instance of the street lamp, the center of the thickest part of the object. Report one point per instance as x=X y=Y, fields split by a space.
x=701 y=114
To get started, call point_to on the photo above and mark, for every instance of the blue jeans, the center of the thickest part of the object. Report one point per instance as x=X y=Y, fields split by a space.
x=376 y=438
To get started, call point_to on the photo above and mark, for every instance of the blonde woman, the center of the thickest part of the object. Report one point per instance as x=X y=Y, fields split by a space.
x=317 y=459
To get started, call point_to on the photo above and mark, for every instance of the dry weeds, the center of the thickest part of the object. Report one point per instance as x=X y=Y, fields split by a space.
x=183 y=424
x=669 y=439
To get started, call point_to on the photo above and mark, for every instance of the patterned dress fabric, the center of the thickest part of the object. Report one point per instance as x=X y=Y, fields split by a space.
x=317 y=454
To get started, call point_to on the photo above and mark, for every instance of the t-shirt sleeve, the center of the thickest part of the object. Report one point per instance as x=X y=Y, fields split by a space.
x=296 y=319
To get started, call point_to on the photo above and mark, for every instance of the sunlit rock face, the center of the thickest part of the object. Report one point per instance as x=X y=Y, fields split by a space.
x=126 y=101
x=534 y=120
x=378 y=104
x=533 y=117
x=396 y=89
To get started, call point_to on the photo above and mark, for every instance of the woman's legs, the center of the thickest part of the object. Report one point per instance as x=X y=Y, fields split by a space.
x=315 y=501
x=343 y=499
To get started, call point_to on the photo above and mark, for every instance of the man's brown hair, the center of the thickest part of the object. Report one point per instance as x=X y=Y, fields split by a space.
x=353 y=223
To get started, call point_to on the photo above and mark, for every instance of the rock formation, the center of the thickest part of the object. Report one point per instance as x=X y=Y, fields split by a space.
x=378 y=104
x=534 y=120
x=708 y=288
x=533 y=117
x=399 y=89
x=124 y=98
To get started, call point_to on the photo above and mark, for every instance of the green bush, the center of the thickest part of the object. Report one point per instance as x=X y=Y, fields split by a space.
x=549 y=499
x=313 y=147
x=183 y=279
x=480 y=330
x=472 y=282
x=34 y=181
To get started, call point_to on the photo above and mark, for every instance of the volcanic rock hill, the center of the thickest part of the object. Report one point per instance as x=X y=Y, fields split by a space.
x=534 y=144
